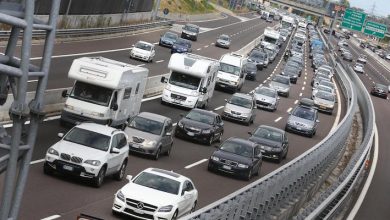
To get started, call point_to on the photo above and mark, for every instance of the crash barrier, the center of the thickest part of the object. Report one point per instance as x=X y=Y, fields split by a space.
x=69 y=33
x=280 y=194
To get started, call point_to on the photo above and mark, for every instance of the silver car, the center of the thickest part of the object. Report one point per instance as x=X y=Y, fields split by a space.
x=322 y=88
x=223 y=41
x=281 y=84
x=240 y=107
x=303 y=119
x=324 y=101
x=266 y=98
x=150 y=134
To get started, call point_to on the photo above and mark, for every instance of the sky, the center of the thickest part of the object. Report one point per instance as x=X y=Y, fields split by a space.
x=382 y=7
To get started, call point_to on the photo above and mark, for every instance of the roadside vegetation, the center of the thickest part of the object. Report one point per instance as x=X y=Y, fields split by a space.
x=187 y=6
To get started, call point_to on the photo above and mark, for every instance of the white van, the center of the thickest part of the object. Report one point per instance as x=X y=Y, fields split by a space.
x=105 y=91
x=192 y=80
x=271 y=36
x=231 y=75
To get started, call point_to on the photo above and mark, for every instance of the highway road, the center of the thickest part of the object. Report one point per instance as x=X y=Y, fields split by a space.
x=375 y=205
x=55 y=195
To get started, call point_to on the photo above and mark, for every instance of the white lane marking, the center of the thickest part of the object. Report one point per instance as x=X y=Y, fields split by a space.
x=370 y=176
x=300 y=94
x=296 y=102
x=305 y=77
x=264 y=81
x=212 y=44
x=174 y=124
x=142 y=64
x=33 y=80
x=278 y=119
x=268 y=78
x=289 y=110
x=38 y=161
x=196 y=163
x=304 y=82
x=52 y=217
x=159 y=61
x=155 y=43
x=199 y=49
x=206 y=46
x=303 y=88
x=217 y=108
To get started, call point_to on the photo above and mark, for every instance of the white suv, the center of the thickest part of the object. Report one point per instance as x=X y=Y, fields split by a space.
x=91 y=151
x=156 y=194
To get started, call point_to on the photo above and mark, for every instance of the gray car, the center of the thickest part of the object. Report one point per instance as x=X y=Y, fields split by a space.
x=150 y=134
x=240 y=107
x=266 y=98
x=303 y=119
x=223 y=41
x=273 y=142
x=281 y=84
x=168 y=39
x=324 y=101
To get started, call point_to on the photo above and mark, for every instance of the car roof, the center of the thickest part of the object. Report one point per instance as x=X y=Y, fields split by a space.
x=152 y=116
x=206 y=112
x=144 y=42
x=166 y=173
x=98 y=128
x=271 y=128
x=241 y=141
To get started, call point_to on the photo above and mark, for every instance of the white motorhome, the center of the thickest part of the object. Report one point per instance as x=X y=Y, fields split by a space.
x=192 y=80
x=288 y=22
x=271 y=36
x=105 y=91
x=231 y=75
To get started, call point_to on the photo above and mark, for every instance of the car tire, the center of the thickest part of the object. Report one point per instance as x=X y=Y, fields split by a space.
x=220 y=137
x=169 y=150
x=286 y=129
x=47 y=169
x=249 y=175
x=280 y=158
x=157 y=155
x=121 y=173
x=210 y=141
x=285 y=155
x=193 y=207
x=258 y=171
x=115 y=213
x=98 y=181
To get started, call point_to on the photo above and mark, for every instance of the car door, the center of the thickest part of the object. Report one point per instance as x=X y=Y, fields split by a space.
x=166 y=138
x=113 y=159
x=187 y=196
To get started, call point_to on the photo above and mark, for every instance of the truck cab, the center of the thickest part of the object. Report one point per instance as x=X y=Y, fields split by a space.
x=105 y=91
x=231 y=75
x=271 y=36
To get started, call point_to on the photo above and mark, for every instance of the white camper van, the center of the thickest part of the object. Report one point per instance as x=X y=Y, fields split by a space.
x=288 y=22
x=192 y=80
x=105 y=91
x=231 y=75
x=271 y=36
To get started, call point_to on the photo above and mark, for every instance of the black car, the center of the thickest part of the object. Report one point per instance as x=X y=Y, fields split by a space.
x=291 y=72
x=237 y=156
x=379 y=90
x=200 y=125
x=251 y=71
x=273 y=142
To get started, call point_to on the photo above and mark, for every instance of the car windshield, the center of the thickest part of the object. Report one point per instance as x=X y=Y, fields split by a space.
x=237 y=148
x=325 y=95
x=270 y=40
x=146 y=125
x=227 y=68
x=182 y=42
x=304 y=113
x=191 y=28
x=251 y=67
x=88 y=138
x=200 y=117
x=257 y=55
x=359 y=65
x=224 y=37
x=171 y=35
x=325 y=88
x=268 y=134
x=143 y=46
x=267 y=92
x=240 y=101
x=158 y=182
x=184 y=80
x=380 y=86
x=283 y=80
x=91 y=93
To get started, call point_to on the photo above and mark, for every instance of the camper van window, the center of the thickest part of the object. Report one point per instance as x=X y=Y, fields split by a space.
x=270 y=40
x=227 y=68
x=137 y=89
x=127 y=93
x=115 y=98
x=146 y=125
x=184 y=80
x=91 y=93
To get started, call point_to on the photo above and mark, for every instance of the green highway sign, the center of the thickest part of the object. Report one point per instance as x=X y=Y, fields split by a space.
x=375 y=29
x=353 y=19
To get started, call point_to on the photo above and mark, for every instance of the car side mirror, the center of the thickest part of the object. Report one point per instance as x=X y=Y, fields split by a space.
x=114 y=107
x=129 y=177
x=64 y=93
x=164 y=79
x=60 y=135
x=242 y=75
x=115 y=150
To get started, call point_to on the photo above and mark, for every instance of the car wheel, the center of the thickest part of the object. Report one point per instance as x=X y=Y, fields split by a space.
x=287 y=94
x=47 y=169
x=169 y=150
x=205 y=104
x=220 y=137
x=258 y=171
x=209 y=141
x=286 y=128
x=280 y=158
x=210 y=168
x=98 y=181
x=121 y=173
x=249 y=175
x=174 y=217
x=157 y=155
x=193 y=207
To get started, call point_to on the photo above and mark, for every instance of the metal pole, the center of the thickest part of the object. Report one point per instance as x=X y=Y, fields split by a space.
x=154 y=13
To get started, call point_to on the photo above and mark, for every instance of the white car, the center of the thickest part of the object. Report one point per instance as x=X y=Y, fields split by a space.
x=322 y=88
x=359 y=68
x=90 y=151
x=156 y=194
x=362 y=59
x=143 y=50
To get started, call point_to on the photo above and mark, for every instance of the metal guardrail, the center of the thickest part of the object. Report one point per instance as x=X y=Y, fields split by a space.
x=63 y=33
x=280 y=194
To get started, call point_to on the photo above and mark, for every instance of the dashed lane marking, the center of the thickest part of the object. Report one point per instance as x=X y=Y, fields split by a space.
x=296 y=101
x=278 y=119
x=159 y=61
x=196 y=163
x=300 y=94
x=218 y=108
x=289 y=110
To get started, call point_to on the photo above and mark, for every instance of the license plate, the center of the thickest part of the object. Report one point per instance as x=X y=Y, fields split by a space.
x=226 y=167
x=298 y=128
x=135 y=146
x=262 y=151
x=190 y=134
x=66 y=167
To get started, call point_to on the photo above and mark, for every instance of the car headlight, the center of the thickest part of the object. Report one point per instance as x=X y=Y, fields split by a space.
x=180 y=124
x=120 y=196
x=250 y=60
x=174 y=47
x=150 y=143
x=242 y=166
x=227 y=110
x=214 y=158
x=194 y=93
x=206 y=131
x=289 y=122
x=233 y=83
x=316 y=102
x=166 y=208
x=93 y=162
x=52 y=151
x=168 y=87
x=69 y=107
